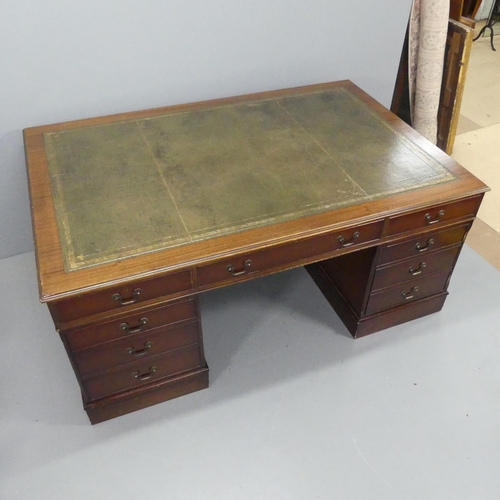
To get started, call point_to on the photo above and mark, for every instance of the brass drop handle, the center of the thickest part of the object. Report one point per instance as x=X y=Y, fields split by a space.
x=230 y=268
x=423 y=248
x=418 y=270
x=429 y=220
x=347 y=243
x=145 y=376
x=140 y=352
x=134 y=329
x=409 y=295
x=127 y=302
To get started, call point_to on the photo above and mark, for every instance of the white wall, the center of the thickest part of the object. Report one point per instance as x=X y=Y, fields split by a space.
x=484 y=11
x=63 y=60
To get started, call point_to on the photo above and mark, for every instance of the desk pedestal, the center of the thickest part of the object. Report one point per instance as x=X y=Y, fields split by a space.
x=376 y=288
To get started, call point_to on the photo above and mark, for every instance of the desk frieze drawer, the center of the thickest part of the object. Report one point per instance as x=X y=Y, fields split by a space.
x=420 y=267
x=407 y=292
x=121 y=297
x=281 y=255
x=422 y=245
x=143 y=372
x=137 y=347
x=128 y=325
x=433 y=217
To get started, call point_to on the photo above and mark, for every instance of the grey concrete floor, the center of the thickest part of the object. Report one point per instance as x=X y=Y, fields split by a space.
x=297 y=409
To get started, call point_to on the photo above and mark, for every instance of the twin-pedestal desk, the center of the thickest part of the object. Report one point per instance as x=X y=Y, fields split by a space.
x=136 y=214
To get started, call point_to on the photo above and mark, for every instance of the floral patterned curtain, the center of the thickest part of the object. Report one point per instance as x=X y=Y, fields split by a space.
x=427 y=40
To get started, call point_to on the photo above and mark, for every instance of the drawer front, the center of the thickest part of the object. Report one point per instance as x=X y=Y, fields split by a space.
x=240 y=266
x=407 y=292
x=418 y=267
x=144 y=372
x=121 y=297
x=136 y=347
x=422 y=245
x=433 y=217
x=129 y=325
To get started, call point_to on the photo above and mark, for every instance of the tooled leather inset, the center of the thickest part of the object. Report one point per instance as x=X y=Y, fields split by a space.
x=137 y=186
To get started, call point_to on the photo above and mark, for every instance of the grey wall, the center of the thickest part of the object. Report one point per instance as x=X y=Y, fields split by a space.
x=484 y=10
x=63 y=60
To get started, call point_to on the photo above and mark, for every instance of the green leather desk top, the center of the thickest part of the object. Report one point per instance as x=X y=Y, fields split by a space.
x=136 y=186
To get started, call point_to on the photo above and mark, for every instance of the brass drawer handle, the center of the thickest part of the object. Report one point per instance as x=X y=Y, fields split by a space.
x=246 y=265
x=429 y=220
x=145 y=376
x=134 y=329
x=420 y=248
x=409 y=295
x=418 y=270
x=347 y=243
x=140 y=352
x=127 y=302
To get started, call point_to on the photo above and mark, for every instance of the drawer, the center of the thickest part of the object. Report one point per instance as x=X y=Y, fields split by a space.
x=287 y=254
x=407 y=292
x=129 y=325
x=121 y=297
x=422 y=245
x=139 y=346
x=143 y=372
x=417 y=267
x=433 y=217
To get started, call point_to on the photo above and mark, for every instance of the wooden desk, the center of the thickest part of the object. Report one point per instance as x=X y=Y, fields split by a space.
x=135 y=214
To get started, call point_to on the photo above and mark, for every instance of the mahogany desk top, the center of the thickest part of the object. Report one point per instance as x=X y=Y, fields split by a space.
x=146 y=192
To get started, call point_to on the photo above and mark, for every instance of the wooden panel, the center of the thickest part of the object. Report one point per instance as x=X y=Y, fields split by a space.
x=457 y=55
x=287 y=254
x=422 y=244
x=141 y=346
x=112 y=330
x=456 y=8
x=122 y=297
